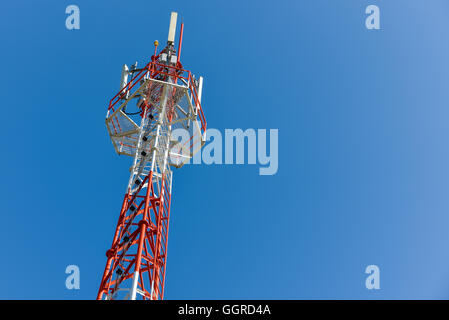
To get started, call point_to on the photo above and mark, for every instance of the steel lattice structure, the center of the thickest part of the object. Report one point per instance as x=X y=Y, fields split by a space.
x=166 y=98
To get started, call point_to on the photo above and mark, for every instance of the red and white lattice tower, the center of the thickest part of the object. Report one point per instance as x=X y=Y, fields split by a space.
x=153 y=101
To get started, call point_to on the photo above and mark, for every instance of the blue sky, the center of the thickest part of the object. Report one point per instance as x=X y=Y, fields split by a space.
x=363 y=152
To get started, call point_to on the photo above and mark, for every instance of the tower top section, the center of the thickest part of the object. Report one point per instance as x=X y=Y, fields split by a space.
x=144 y=92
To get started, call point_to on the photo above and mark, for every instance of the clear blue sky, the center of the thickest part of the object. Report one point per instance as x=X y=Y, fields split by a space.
x=363 y=150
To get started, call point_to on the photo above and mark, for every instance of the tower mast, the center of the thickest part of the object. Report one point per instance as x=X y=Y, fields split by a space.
x=167 y=99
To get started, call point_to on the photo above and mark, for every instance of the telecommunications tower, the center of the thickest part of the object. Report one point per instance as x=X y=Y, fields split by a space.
x=153 y=103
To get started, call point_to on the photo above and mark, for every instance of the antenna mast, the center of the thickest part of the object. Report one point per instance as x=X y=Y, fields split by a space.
x=152 y=103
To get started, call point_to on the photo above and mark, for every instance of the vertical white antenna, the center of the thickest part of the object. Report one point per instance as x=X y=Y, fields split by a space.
x=200 y=88
x=124 y=77
x=200 y=92
x=172 y=28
